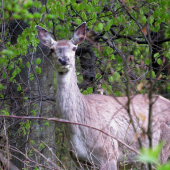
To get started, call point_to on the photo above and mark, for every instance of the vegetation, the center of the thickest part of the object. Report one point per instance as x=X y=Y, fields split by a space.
x=126 y=52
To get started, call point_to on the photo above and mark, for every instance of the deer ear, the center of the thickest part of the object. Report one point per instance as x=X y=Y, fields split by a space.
x=44 y=36
x=79 y=34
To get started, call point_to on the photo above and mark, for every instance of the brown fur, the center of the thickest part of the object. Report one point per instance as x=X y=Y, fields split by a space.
x=91 y=147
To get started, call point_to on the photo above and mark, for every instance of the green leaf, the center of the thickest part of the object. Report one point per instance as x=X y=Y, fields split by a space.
x=163 y=2
x=147 y=61
x=34 y=112
x=89 y=7
x=116 y=76
x=98 y=76
x=38 y=61
x=67 y=1
x=159 y=61
x=11 y=66
x=118 y=19
x=4 y=75
x=94 y=16
x=29 y=16
x=156 y=55
x=153 y=74
x=109 y=89
x=100 y=26
x=166 y=16
x=43 y=9
x=157 y=26
x=150 y=156
x=2 y=96
x=16 y=8
x=25 y=98
x=85 y=1
x=35 y=4
x=62 y=16
x=2 y=59
x=56 y=15
x=77 y=6
x=82 y=6
x=7 y=52
x=143 y=19
x=28 y=4
x=4 y=112
x=37 y=15
x=151 y=20
x=16 y=16
x=19 y=87
x=141 y=11
x=49 y=16
x=31 y=77
x=23 y=11
x=20 y=60
x=11 y=79
x=42 y=145
x=14 y=73
x=83 y=15
x=110 y=78
x=38 y=69
x=33 y=143
x=94 y=2
x=90 y=90
x=9 y=7
x=136 y=52
x=47 y=124
x=108 y=25
x=89 y=24
x=85 y=92
x=27 y=125
x=23 y=131
x=104 y=86
x=78 y=21
x=109 y=50
x=18 y=70
x=50 y=24
x=28 y=64
x=1 y=87
x=164 y=167
x=112 y=57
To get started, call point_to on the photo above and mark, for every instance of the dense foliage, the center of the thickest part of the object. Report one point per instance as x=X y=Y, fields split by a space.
x=126 y=52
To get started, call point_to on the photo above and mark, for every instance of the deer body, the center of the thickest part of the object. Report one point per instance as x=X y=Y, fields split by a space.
x=91 y=147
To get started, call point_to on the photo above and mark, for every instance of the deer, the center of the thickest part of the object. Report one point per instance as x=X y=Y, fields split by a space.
x=87 y=146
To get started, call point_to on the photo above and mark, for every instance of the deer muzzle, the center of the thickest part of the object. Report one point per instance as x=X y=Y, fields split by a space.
x=63 y=60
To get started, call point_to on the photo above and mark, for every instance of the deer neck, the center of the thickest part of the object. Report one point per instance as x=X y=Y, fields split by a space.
x=69 y=100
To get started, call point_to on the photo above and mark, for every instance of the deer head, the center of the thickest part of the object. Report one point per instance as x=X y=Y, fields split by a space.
x=63 y=51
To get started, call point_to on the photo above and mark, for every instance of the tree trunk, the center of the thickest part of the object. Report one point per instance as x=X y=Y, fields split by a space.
x=40 y=137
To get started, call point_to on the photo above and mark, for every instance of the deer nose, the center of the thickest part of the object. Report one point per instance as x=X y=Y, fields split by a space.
x=63 y=60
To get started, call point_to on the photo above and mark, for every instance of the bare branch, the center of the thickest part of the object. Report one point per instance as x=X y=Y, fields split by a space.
x=69 y=122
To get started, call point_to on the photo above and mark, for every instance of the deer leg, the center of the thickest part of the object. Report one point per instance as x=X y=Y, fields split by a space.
x=109 y=165
x=165 y=137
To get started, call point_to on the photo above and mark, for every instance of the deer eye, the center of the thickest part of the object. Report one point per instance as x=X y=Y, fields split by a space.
x=52 y=50
x=74 y=48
